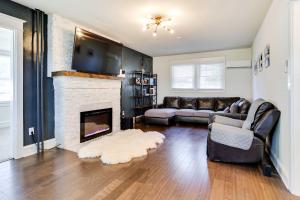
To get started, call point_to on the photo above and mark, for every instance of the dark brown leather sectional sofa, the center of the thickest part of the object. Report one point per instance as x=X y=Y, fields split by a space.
x=196 y=110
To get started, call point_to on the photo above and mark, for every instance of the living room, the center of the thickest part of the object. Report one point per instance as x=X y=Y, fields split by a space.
x=149 y=99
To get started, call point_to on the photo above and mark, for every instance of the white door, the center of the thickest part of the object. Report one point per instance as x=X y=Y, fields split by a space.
x=6 y=64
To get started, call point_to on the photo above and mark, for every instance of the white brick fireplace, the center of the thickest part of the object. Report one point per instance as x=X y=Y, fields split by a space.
x=76 y=94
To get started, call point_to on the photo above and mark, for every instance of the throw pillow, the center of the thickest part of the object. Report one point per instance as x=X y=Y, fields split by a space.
x=234 y=108
x=227 y=110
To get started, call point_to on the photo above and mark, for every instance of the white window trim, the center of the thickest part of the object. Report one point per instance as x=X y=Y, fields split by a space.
x=16 y=25
x=193 y=61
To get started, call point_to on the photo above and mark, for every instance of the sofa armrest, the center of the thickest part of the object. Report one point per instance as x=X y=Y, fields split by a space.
x=228 y=121
x=230 y=115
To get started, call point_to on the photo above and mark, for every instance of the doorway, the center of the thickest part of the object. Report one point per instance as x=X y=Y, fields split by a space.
x=11 y=87
x=6 y=87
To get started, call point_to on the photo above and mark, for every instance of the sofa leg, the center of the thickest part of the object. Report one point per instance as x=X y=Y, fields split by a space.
x=266 y=169
x=266 y=165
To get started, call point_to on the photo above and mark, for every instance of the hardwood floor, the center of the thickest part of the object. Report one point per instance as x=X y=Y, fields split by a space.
x=178 y=169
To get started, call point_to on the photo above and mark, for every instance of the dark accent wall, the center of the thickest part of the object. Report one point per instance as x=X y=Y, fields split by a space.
x=29 y=70
x=132 y=61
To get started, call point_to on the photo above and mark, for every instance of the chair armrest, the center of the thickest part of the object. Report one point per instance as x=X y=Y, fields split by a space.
x=229 y=115
x=228 y=121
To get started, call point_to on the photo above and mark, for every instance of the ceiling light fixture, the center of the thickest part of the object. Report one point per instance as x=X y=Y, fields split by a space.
x=153 y=23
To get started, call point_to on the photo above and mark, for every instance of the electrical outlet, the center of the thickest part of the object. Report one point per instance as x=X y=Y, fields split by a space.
x=31 y=131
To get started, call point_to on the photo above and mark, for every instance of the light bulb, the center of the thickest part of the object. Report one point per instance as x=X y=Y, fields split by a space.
x=154 y=34
x=171 y=31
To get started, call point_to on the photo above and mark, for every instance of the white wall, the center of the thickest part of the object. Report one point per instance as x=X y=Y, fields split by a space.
x=272 y=83
x=238 y=81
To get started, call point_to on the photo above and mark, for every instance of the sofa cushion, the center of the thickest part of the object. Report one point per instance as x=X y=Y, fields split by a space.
x=223 y=102
x=231 y=136
x=171 y=102
x=161 y=113
x=234 y=108
x=202 y=113
x=206 y=103
x=185 y=112
x=244 y=106
x=188 y=103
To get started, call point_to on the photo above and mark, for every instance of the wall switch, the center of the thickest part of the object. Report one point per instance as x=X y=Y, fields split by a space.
x=31 y=131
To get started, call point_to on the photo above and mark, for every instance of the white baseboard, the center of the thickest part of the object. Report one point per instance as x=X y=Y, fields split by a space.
x=281 y=170
x=31 y=149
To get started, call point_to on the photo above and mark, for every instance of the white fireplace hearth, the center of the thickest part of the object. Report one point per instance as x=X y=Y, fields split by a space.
x=77 y=94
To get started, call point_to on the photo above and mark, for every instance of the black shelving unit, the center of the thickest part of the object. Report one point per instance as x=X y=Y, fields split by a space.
x=145 y=91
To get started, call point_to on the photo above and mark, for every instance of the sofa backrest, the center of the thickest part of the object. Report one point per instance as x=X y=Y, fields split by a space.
x=223 y=102
x=201 y=103
x=188 y=103
x=265 y=126
x=171 y=102
x=206 y=103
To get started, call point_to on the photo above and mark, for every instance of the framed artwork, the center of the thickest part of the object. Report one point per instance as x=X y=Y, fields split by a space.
x=267 y=62
x=255 y=66
x=260 y=62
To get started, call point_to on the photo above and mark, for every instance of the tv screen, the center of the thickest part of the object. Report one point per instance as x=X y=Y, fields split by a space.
x=95 y=54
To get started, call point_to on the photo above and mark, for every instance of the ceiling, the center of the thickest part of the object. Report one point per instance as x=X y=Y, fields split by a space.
x=200 y=25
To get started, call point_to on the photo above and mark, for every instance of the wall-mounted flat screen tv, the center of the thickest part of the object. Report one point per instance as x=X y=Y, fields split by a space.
x=95 y=54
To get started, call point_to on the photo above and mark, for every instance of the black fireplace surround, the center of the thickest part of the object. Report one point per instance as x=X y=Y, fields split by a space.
x=95 y=123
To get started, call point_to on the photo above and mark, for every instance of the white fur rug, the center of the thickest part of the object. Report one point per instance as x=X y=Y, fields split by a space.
x=122 y=146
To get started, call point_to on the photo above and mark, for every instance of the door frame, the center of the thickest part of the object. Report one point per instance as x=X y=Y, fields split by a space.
x=16 y=121
x=294 y=75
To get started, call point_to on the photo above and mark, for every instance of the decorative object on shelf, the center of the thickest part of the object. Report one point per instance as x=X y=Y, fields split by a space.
x=146 y=81
x=153 y=23
x=152 y=91
x=267 y=56
x=122 y=73
x=144 y=92
x=151 y=81
x=138 y=81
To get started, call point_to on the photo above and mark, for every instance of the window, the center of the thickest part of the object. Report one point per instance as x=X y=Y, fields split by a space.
x=211 y=76
x=202 y=74
x=6 y=37
x=183 y=76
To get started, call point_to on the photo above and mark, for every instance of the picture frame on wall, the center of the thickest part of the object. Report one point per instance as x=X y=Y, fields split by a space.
x=255 y=67
x=260 y=62
x=267 y=61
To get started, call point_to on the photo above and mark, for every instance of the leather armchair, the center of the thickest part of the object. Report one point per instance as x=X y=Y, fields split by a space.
x=263 y=127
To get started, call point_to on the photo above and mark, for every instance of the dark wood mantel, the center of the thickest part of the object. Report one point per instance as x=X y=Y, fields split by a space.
x=84 y=75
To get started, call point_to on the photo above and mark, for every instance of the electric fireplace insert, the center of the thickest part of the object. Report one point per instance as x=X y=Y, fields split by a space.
x=95 y=123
